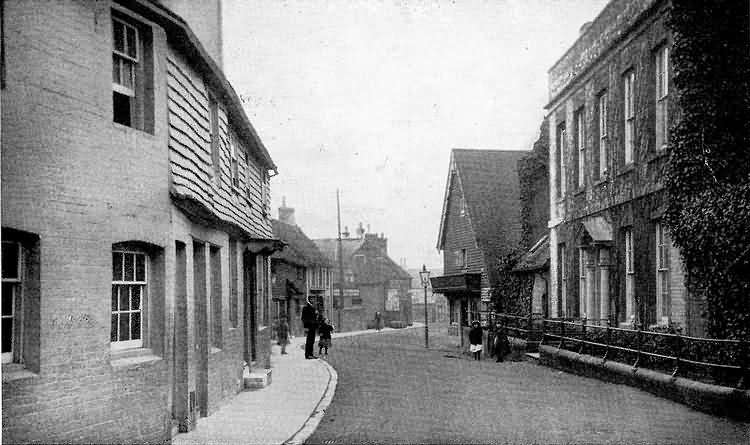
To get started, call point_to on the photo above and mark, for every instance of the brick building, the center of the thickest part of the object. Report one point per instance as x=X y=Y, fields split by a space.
x=298 y=272
x=609 y=116
x=372 y=282
x=136 y=235
x=480 y=223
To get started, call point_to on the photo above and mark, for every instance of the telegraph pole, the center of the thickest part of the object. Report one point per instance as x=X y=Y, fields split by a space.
x=340 y=296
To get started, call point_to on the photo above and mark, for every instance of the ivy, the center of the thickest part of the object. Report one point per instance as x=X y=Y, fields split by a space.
x=512 y=292
x=707 y=177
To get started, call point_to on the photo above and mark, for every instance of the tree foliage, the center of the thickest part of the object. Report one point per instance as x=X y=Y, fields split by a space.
x=707 y=178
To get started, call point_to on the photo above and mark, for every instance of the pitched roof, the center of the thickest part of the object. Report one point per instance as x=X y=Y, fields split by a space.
x=489 y=182
x=364 y=273
x=300 y=249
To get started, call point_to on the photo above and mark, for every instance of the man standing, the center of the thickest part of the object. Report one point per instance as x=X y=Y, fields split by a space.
x=310 y=322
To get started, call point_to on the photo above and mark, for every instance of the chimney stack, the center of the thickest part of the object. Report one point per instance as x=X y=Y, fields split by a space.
x=286 y=214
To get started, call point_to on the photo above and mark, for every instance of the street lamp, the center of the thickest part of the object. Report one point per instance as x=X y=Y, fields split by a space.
x=424 y=275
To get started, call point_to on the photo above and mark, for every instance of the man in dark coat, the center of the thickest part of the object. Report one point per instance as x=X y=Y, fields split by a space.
x=310 y=322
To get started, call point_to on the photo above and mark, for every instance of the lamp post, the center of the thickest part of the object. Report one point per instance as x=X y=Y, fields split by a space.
x=424 y=275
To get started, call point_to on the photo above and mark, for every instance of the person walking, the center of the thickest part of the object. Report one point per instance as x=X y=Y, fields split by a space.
x=282 y=333
x=310 y=323
x=324 y=330
x=475 y=339
x=377 y=320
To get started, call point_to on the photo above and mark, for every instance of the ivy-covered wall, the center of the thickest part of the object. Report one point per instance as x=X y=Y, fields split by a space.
x=708 y=173
x=513 y=291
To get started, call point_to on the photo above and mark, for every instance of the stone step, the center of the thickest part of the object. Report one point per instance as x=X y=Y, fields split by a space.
x=533 y=355
x=257 y=379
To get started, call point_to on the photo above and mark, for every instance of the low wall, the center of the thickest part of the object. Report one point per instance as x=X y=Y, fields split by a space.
x=713 y=399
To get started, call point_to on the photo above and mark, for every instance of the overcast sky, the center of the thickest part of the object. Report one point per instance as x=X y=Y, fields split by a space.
x=370 y=97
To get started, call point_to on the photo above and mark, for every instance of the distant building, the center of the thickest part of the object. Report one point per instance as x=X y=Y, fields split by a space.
x=136 y=239
x=298 y=272
x=372 y=282
x=437 y=304
x=609 y=116
x=480 y=223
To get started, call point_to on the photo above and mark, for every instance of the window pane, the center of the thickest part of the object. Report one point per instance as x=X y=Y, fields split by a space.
x=127 y=74
x=140 y=268
x=118 y=29
x=124 y=298
x=124 y=327
x=114 y=298
x=135 y=326
x=135 y=301
x=121 y=109
x=10 y=260
x=7 y=332
x=117 y=266
x=8 y=299
x=116 y=70
x=113 y=330
x=129 y=267
x=132 y=50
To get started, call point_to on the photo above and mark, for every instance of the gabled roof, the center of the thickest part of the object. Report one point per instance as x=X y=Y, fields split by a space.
x=300 y=249
x=488 y=180
x=367 y=273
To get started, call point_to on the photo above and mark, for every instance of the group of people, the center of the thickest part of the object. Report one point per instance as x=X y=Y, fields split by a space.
x=500 y=346
x=313 y=322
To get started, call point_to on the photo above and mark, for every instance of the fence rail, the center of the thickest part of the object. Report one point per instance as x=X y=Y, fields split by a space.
x=719 y=361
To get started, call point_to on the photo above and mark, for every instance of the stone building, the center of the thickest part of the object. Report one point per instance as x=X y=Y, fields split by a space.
x=480 y=224
x=298 y=272
x=610 y=109
x=135 y=222
x=372 y=282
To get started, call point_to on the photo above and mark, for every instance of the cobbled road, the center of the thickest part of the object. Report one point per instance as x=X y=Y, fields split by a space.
x=392 y=390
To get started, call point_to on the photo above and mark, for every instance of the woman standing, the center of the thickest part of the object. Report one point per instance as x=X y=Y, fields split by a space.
x=475 y=339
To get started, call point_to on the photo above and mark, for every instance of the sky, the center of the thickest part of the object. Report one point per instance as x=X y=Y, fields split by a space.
x=369 y=97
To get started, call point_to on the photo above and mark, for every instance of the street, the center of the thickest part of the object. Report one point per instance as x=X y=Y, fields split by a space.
x=392 y=390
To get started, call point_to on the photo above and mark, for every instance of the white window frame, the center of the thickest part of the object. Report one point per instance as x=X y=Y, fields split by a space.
x=582 y=296
x=603 y=137
x=581 y=142
x=662 y=98
x=15 y=305
x=123 y=57
x=137 y=343
x=561 y=136
x=629 y=113
x=662 y=274
x=629 y=275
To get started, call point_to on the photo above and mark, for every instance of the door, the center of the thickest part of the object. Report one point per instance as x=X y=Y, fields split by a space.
x=180 y=348
x=200 y=329
x=250 y=306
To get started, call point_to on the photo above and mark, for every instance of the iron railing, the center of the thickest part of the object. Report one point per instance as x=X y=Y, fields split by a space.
x=718 y=361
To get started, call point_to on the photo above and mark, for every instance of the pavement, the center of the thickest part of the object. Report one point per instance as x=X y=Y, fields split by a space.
x=285 y=412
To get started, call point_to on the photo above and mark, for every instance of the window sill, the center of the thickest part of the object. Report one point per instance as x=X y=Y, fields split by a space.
x=132 y=357
x=214 y=350
x=16 y=371
x=128 y=129
x=579 y=191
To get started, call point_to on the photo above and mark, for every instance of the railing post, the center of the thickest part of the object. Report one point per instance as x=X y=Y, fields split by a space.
x=582 y=342
x=562 y=333
x=745 y=362
x=638 y=346
x=528 y=328
x=544 y=330
x=606 y=349
x=677 y=355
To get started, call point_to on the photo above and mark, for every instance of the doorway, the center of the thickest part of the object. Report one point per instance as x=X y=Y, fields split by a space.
x=180 y=413
x=200 y=332
x=250 y=309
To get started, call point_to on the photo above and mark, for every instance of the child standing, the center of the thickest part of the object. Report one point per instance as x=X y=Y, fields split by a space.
x=475 y=338
x=283 y=334
x=325 y=330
